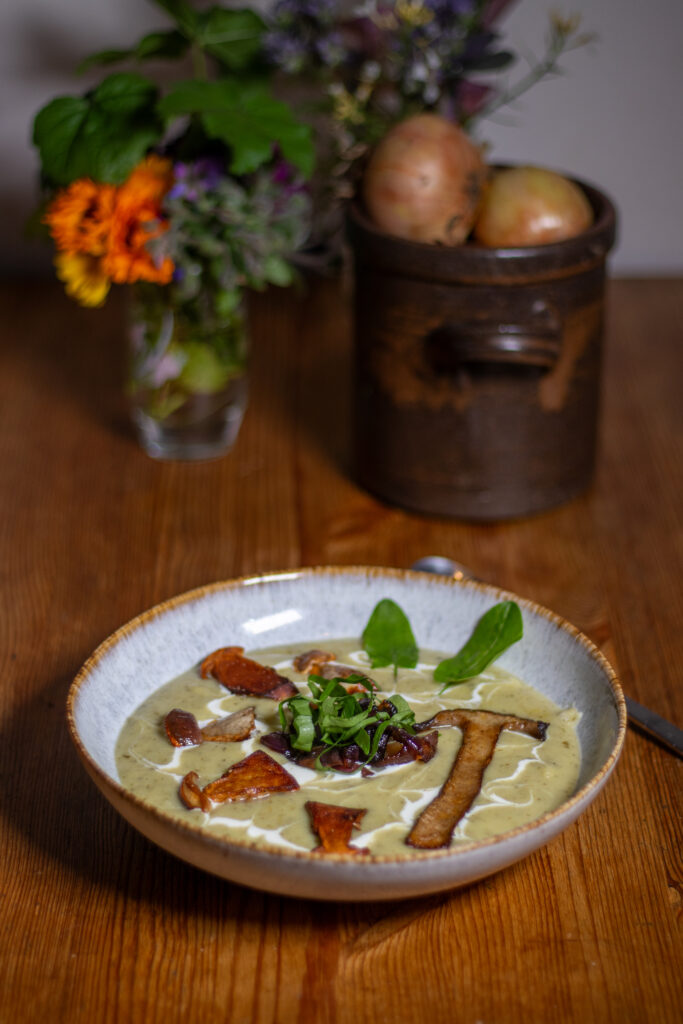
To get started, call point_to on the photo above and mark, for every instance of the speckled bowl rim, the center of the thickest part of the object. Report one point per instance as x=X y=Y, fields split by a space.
x=224 y=843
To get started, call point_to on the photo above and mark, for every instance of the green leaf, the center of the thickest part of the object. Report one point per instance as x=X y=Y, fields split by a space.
x=125 y=94
x=388 y=638
x=102 y=135
x=233 y=37
x=499 y=628
x=156 y=46
x=245 y=116
x=203 y=370
x=277 y=271
x=182 y=13
x=303 y=728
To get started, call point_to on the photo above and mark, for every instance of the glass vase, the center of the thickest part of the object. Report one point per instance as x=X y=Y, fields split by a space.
x=187 y=375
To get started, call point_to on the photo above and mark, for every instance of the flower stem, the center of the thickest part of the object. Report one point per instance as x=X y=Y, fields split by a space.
x=199 y=64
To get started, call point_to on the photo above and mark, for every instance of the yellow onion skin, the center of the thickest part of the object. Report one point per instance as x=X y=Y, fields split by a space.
x=424 y=181
x=531 y=206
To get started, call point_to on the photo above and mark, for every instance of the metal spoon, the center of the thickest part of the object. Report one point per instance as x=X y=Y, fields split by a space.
x=656 y=727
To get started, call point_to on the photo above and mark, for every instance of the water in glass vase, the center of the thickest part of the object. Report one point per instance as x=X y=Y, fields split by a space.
x=188 y=380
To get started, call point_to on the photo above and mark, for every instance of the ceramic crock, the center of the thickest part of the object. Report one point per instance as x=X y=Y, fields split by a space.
x=477 y=370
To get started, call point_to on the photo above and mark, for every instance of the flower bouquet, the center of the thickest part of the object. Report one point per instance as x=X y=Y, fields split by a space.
x=191 y=196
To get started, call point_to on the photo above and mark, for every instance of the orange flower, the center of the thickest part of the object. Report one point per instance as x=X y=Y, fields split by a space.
x=102 y=232
x=128 y=259
x=150 y=180
x=138 y=220
x=79 y=217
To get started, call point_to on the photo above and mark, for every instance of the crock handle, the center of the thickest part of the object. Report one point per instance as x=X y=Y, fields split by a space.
x=451 y=345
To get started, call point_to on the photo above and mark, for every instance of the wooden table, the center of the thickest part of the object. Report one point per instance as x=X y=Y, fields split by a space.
x=98 y=925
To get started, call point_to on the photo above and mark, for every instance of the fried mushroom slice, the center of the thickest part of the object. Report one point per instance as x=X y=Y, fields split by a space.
x=311 y=662
x=333 y=826
x=237 y=726
x=255 y=776
x=243 y=675
x=481 y=729
x=334 y=671
x=192 y=794
x=182 y=728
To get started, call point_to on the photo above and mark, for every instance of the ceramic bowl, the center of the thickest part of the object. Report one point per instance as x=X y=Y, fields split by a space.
x=311 y=605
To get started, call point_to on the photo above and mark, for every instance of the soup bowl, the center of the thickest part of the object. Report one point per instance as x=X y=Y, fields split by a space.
x=312 y=605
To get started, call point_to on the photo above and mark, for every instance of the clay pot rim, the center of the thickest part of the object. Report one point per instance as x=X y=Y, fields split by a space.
x=472 y=260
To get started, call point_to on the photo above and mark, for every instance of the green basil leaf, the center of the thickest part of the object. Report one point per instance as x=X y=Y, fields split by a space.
x=388 y=638
x=245 y=116
x=303 y=728
x=499 y=628
x=379 y=732
x=404 y=712
x=363 y=741
x=102 y=135
x=232 y=37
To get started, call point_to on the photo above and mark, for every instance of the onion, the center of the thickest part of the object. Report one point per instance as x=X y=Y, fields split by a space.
x=424 y=181
x=531 y=206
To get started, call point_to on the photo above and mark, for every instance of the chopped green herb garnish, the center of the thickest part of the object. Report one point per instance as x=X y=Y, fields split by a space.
x=388 y=637
x=333 y=717
x=499 y=628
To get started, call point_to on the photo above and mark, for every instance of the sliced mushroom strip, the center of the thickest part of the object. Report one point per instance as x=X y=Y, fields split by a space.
x=243 y=675
x=312 y=661
x=255 y=776
x=192 y=794
x=481 y=729
x=182 y=728
x=333 y=826
x=237 y=726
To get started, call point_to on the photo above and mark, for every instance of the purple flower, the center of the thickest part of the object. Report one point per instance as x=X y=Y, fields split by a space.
x=209 y=170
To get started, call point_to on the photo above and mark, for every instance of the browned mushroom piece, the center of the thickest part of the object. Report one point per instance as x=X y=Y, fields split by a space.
x=311 y=662
x=192 y=794
x=334 y=671
x=481 y=729
x=243 y=675
x=333 y=826
x=255 y=776
x=237 y=726
x=182 y=728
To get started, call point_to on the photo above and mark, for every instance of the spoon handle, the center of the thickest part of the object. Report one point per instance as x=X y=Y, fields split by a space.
x=655 y=727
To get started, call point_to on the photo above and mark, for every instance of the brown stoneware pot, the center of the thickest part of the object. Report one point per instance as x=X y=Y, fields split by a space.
x=477 y=370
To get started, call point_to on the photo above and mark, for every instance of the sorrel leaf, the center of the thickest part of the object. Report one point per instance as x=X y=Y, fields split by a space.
x=499 y=628
x=388 y=637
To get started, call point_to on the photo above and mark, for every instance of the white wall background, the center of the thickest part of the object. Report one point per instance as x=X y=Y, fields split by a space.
x=613 y=119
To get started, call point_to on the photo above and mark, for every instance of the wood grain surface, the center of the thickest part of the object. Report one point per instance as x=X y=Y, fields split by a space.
x=98 y=925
